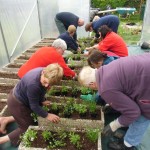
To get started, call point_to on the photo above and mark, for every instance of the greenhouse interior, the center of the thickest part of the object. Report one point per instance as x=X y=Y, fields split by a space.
x=26 y=26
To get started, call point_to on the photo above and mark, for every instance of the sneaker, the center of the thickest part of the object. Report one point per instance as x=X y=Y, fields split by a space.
x=115 y=145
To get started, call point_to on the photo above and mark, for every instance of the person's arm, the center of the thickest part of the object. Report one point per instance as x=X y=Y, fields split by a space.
x=72 y=43
x=34 y=96
x=67 y=71
x=129 y=110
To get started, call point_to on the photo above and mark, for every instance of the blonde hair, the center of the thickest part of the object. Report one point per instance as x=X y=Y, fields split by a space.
x=86 y=76
x=53 y=73
x=71 y=29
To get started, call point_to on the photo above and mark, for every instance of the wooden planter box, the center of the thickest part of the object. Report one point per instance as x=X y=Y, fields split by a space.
x=73 y=123
x=96 y=145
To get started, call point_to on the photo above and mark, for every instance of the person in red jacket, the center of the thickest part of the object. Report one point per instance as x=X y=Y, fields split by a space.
x=45 y=56
x=110 y=41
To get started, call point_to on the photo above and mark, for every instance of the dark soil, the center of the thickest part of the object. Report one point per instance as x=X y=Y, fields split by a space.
x=85 y=142
x=24 y=57
x=5 y=88
x=14 y=65
x=9 y=75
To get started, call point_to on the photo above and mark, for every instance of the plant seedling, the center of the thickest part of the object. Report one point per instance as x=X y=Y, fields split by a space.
x=92 y=134
x=28 y=137
x=46 y=135
x=75 y=140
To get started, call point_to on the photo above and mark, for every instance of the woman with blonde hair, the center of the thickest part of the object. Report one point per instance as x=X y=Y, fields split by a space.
x=28 y=97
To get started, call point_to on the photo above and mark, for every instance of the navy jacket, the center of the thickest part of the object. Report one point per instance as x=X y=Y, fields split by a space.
x=68 y=19
x=111 y=21
x=71 y=43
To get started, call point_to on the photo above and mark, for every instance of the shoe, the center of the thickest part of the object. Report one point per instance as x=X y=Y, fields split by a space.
x=115 y=145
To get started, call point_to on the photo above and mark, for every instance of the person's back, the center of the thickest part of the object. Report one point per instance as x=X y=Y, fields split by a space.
x=114 y=43
x=42 y=58
x=71 y=43
x=111 y=21
x=68 y=18
x=127 y=75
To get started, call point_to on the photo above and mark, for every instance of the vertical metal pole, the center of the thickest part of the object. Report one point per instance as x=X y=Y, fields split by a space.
x=3 y=37
x=38 y=11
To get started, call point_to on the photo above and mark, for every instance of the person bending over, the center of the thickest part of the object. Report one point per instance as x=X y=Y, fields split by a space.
x=28 y=97
x=110 y=42
x=64 y=19
x=72 y=45
x=124 y=84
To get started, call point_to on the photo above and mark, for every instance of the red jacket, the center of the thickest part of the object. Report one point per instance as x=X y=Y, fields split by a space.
x=114 y=43
x=42 y=58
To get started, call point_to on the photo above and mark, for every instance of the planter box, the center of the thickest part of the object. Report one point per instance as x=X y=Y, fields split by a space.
x=8 y=74
x=75 y=121
x=96 y=145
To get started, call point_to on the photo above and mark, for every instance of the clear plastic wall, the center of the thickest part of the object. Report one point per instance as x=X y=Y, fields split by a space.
x=25 y=22
x=146 y=24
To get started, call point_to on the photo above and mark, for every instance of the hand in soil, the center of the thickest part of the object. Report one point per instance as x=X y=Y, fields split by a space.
x=53 y=118
x=46 y=103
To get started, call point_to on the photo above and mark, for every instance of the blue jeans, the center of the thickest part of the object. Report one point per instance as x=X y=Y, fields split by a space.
x=136 y=131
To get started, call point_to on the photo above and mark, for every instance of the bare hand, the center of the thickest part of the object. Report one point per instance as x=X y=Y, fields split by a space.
x=53 y=118
x=46 y=103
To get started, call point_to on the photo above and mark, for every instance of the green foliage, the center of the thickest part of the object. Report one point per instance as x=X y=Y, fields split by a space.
x=69 y=108
x=102 y=4
x=28 y=137
x=85 y=90
x=54 y=106
x=35 y=116
x=64 y=88
x=81 y=108
x=46 y=135
x=117 y=3
x=92 y=107
x=75 y=140
x=92 y=134
x=52 y=91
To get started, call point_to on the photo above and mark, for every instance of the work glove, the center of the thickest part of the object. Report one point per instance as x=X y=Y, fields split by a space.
x=88 y=97
x=111 y=128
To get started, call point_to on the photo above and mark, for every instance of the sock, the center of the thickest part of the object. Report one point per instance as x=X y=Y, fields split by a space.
x=127 y=144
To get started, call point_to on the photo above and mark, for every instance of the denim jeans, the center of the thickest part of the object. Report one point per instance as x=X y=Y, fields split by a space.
x=60 y=26
x=136 y=131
